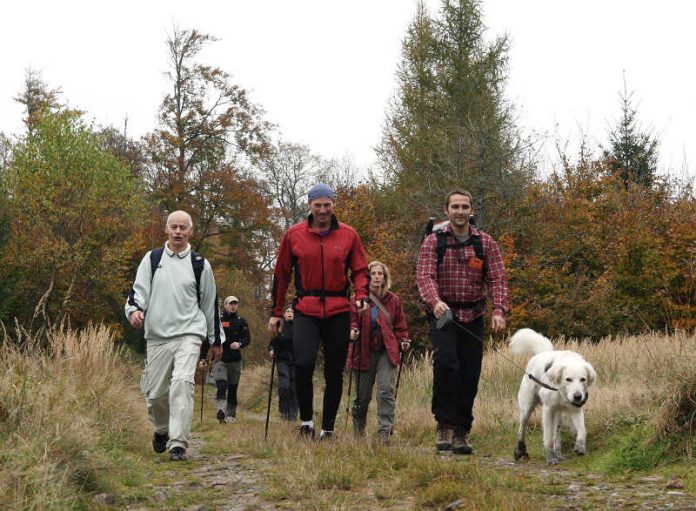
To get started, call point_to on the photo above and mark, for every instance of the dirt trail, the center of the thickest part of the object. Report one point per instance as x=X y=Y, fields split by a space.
x=575 y=490
x=240 y=481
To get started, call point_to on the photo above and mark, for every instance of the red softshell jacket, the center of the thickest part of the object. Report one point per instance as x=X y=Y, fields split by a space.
x=320 y=263
x=392 y=334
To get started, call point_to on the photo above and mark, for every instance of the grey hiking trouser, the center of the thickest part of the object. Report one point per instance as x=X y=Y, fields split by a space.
x=168 y=386
x=383 y=372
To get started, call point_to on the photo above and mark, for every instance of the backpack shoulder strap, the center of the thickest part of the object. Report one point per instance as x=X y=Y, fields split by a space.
x=155 y=258
x=198 y=263
x=441 y=237
x=478 y=246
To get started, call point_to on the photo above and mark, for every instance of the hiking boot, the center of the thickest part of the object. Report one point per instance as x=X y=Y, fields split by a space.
x=159 y=442
x=445 y=432
x=229 y=419
x=221 y=416
x=383 y=437
x=307 y=432
x=326 y=436
x=461 y=443
x=177 y=454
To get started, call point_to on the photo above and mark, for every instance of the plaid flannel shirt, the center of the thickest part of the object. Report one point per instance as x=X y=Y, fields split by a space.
x=457 y=281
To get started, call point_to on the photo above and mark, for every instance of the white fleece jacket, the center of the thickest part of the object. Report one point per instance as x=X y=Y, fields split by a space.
x=170 y=301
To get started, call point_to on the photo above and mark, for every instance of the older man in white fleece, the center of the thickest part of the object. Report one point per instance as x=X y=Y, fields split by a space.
x=174 y=297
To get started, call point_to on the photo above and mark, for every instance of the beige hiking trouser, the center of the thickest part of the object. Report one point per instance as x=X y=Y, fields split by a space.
x=168 y=386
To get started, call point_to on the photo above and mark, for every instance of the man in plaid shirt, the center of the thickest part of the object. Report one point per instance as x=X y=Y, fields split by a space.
x=460 y=282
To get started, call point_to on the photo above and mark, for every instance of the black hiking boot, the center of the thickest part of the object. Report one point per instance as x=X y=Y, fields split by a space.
x=177 y=454
x=307 y=432
x=159 y=442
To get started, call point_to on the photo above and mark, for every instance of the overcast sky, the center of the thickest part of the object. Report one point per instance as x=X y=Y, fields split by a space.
x=324 y=70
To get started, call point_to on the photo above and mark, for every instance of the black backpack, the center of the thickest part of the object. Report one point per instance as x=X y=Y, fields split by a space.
x=442 y=246
x=197 y=262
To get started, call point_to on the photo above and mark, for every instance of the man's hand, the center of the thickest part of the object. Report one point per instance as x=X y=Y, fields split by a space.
x=274 y=325
x=136 y=319
x=203 y=363
x=440 y=308
x=405 y=345
x=271 y=353
x=362 y=305
x=498 y=322
x=235 y=345
x=354 y=334
x=216 y=350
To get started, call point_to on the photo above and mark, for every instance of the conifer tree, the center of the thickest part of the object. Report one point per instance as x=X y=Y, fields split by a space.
x=450 y=124
x=633 y=153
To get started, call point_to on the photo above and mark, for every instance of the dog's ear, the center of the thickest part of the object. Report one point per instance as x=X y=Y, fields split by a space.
x=554 y=372
x=591 y=374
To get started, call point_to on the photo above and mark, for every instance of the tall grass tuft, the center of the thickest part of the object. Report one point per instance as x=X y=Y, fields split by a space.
x=65 y=406
x=676 y=422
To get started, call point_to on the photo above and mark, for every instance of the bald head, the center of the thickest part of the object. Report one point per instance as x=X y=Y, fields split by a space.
x=179 y=229
x=180 y=216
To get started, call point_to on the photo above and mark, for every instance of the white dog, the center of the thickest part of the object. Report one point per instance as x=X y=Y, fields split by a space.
x=559 y=381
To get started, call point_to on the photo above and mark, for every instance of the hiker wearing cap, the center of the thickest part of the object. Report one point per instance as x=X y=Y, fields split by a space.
x=378 y=339
x=321 y=252
x=173 y=296
x=227 y=371
x=457 y=267
x=280 y=348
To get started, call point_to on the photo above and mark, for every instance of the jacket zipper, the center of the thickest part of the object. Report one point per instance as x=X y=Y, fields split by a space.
x=321 y=251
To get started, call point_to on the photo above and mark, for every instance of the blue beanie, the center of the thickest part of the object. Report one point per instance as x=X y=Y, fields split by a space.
x=319 y=191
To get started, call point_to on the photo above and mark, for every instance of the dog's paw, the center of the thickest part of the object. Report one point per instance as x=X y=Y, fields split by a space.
x=553 y=457
x=521 y=451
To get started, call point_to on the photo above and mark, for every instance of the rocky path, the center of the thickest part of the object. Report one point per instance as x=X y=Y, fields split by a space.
x=234 y=483
x=220 y=483
x=572 y=490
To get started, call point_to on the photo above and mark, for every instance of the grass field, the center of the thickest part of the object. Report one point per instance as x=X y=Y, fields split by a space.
x=73 y=425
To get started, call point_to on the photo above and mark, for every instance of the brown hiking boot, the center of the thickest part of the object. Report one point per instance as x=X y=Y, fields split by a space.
x=444 y=436
x=460 y=442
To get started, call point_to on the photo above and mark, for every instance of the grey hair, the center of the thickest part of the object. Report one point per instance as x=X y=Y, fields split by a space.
x=188 y=217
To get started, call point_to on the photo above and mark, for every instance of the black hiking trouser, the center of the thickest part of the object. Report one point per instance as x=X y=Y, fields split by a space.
x=287 y=399
x=334 y=333
x=456 y=372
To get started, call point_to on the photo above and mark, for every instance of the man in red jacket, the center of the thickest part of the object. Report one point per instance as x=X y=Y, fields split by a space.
x=320 y=251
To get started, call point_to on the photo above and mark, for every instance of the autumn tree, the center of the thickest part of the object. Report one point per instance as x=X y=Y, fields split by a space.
x=633 y=151
x=73 y=208
x=209 y=131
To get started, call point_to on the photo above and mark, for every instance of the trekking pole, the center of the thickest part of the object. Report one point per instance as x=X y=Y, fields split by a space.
x=270 y=395
x=398 y=375
x=202 y=393
x=350 y=379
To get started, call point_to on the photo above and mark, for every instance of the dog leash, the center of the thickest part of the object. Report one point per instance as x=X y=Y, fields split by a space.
x=447 y=318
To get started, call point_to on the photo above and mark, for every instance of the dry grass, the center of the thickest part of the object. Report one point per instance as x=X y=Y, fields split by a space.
x=64 y=407
x=634 y=374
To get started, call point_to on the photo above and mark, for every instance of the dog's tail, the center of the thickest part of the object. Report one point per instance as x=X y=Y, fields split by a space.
x=527 y=340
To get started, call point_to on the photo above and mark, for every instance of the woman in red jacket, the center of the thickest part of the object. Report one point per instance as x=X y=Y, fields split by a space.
x=378 y=337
